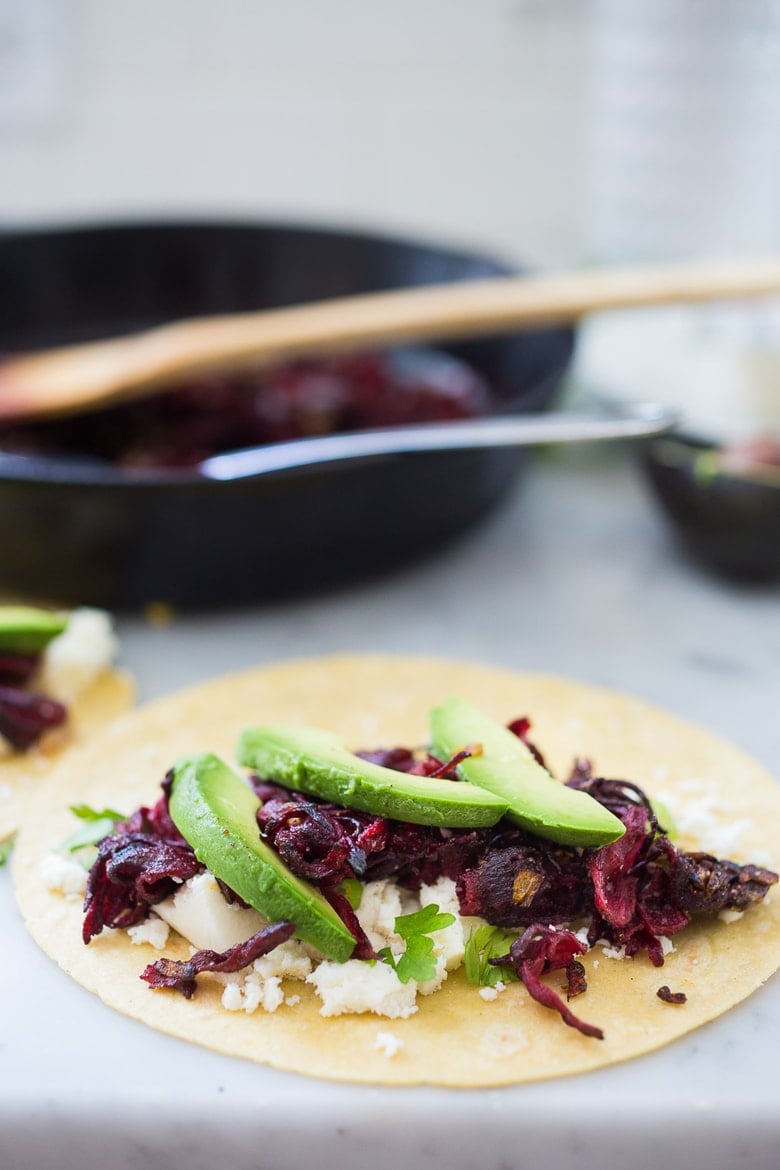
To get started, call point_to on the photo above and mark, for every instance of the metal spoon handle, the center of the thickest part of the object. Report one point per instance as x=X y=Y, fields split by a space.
x=499 y=431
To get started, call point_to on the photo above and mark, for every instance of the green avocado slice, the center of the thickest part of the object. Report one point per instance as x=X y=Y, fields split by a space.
x=26 y=630
x=215 y=812
x=309 y=760
x=535 y=800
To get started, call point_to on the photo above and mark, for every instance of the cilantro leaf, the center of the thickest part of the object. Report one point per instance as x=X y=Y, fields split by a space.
x=386 y=955
x=98 y=823
x=6 y=846
x=424 y=921
x=485 y=943
x=418 y=961
x=86 y=813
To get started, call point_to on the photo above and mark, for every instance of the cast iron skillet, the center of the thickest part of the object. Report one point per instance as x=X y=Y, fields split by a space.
x=76 y=536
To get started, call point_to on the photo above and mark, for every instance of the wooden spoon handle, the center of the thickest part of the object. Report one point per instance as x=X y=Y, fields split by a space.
x=78 y=377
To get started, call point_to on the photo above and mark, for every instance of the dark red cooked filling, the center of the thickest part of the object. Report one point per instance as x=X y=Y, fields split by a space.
x=209 y=415
x=541 y=949
x=180 y=974
x=140 y=865
x=18 y=669
x=132 y=873
x=630 y=894
x=327 y=844
x=25 y=715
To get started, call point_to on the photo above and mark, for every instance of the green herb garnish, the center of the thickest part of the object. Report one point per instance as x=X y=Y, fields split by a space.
x=6 y=846
x=418 y=961
x=352 y=890
x=483 y=944
x=86 y=813
x=98 y=823
x=666 y=821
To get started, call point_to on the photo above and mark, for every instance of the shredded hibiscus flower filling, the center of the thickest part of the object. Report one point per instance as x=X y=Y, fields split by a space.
x=24 y=715
x=668 y=996
x=539 y=949
x=632 y=894
x=180 y=974
x=18 y=669
x=363 y=948
x=132 y=873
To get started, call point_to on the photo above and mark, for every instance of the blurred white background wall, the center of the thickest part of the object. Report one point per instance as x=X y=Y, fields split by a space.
x=455 y=118
x=556 y=130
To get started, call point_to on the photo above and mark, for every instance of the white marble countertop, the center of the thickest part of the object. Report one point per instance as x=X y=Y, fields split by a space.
x=575 y=574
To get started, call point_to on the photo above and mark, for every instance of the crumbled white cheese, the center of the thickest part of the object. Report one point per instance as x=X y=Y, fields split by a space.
x=153 y=931
x=289 y=960
x=388 y=1044
x=75 y=659
x=63 y=875
x=380 y=905
x=199 y=912
x=701 y=817
x=667 y=946
x=356 y=986
x=491 y=993
x=581 y=934
x=730 y=915
x=261 y=984
x=249 y=994
x=611 y=952
x=232 y=998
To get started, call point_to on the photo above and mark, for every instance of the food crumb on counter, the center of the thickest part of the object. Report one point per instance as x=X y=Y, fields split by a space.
x=159 y=614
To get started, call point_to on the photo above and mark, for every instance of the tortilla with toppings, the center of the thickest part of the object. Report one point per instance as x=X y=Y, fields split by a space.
x=73 y=670
x=457 y=1037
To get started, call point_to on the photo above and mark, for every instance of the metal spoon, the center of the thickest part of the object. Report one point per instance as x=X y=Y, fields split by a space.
x=639 y=420
x=613 y=421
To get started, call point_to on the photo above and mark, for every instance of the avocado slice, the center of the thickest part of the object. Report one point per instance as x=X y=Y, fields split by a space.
x=307 y=759
x=536 y=801
x=26 y=630
x=215 y=811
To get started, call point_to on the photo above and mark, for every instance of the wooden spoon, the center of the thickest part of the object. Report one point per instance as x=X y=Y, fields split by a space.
x=80 y=377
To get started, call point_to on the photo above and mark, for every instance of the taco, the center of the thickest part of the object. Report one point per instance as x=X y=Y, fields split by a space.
x=463 y=1034
x=57 y=688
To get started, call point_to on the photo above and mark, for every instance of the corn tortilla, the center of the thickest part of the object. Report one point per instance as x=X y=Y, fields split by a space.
x=21 y=772
x=456 y=1038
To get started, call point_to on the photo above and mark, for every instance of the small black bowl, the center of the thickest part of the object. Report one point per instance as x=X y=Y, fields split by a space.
x=727 y=519
x=79 y=533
